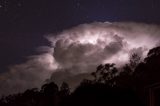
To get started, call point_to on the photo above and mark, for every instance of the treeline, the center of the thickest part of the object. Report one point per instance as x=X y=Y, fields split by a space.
x=110 y=86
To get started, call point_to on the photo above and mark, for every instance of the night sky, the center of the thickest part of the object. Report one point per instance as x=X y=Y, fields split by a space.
x=23 y=23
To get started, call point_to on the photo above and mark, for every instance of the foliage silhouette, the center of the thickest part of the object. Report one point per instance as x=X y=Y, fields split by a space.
x=148 y=72
x=110 y=87
x=125 y=78
x=105 y=74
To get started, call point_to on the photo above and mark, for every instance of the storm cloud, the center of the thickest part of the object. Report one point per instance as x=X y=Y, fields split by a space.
x=76 y=52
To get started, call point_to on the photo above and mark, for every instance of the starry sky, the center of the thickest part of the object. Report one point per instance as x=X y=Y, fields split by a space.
x=23 y=23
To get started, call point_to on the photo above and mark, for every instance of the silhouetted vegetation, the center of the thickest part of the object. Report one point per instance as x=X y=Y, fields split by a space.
x=110 y=87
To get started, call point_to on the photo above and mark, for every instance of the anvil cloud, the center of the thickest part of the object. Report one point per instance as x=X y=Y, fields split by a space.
x=75 y=52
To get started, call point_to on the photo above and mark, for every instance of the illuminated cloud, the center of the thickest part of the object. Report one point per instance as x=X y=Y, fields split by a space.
x=81 y=49
x=27 y=75
x=102 y=42
x=76 y=52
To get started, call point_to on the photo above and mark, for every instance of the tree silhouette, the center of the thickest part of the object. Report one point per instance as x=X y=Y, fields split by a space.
x=129 y=68
x=105 y=74
x=64 y=90
x=134 y=60
x=49 y=89
x=64 y=94
x=125 y=77
x=149 y=70
x=50 y=94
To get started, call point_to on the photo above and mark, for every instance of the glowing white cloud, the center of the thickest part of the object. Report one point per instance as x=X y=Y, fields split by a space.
x=78 y=51
x=101 y=36
x=82 y=48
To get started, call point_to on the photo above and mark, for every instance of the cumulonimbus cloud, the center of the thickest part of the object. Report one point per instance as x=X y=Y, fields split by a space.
x=75 y=52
